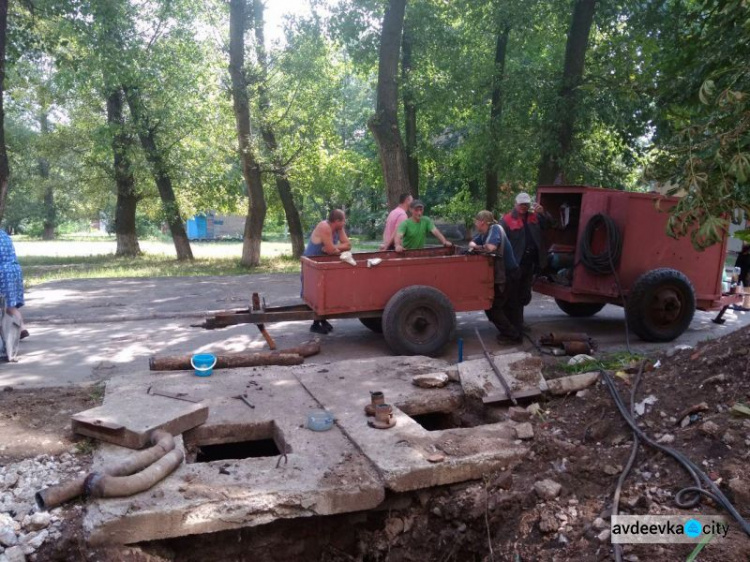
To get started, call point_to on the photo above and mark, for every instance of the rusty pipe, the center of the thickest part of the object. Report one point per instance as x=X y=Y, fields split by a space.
x=558 y=338
x=162 y=442
x=102 y=485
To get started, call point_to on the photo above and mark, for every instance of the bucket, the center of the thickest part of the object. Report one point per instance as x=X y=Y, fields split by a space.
x=203 y=363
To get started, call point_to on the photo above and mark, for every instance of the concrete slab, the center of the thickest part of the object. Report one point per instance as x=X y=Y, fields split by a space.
x=129 y=422
x=403 y=453
x=521 y=370
x=324 y=474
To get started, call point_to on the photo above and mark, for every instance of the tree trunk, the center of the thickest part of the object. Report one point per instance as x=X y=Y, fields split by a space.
x=410 y=115
x=159 y=170
x=384 y=124
x=551 y=167
x=269 y=138
x=256 y=213
x=4 y=169
x=50 y=216
x=496 y=112
x=127 y=200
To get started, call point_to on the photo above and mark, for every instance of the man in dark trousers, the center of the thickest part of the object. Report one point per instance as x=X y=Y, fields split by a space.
x=523 y=226
x=506 y=311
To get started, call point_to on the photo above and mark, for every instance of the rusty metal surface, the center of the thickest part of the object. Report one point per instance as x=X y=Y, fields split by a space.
x=645 y=245
x=333 y=288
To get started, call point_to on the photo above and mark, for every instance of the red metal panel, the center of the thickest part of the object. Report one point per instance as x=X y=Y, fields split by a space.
x=334 y=287
x=646 y=245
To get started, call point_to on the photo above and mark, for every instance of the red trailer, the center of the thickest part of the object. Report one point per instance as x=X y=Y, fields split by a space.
x=412 y=298
x=662 y=280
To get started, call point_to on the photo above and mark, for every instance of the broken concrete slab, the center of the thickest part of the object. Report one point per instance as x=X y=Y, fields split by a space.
x=407 y=455
x=128 y=420
x=430 y=380
x=323 y=473
x=522 y=371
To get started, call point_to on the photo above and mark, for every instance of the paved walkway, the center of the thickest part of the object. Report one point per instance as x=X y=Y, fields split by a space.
x=84 y=331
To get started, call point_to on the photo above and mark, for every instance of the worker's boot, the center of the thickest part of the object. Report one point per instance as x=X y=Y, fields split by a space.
x=327 y=325
x=318 y=328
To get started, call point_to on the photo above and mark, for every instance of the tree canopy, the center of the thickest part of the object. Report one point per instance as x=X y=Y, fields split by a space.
x=660 y=99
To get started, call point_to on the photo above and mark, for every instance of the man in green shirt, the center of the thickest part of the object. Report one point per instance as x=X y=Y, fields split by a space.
x=412 y=232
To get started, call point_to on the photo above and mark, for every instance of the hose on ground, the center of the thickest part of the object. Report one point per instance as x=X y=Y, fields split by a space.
x=693 y=493
x=162 y=443
x=102 y=485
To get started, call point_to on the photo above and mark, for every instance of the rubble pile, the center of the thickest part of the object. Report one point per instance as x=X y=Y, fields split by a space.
x=23 y=527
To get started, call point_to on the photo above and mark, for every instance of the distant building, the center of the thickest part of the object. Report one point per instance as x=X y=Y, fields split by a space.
x=211 y=226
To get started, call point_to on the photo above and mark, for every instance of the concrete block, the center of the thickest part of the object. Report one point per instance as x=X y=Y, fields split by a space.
x=522 y=371
x=128 y=419
x=402 y=454
x=324 y=473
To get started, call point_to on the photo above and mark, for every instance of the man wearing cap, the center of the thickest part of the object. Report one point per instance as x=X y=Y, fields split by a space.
x=506 y=310
x=523 y=226
x=395 y=218
x=411 y=233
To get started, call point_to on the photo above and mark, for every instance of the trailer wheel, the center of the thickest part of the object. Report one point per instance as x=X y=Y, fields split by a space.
x=579 y=309
x=418 y=320
x=374 y=324
x=661 y=305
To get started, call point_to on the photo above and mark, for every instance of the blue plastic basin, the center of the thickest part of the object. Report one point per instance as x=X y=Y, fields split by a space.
x=203 y=363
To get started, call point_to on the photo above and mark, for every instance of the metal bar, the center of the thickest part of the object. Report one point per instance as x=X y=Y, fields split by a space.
x=506 y=387
x=178 y=396
x=266 y=336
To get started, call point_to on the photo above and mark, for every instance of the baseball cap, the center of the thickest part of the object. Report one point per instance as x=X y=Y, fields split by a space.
x=416 y=203
x=523 y=198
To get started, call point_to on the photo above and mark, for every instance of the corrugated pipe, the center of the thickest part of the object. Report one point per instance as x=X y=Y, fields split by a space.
x=163 y=443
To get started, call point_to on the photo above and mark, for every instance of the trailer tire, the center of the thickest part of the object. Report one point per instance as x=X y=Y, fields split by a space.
x=661 y=305
x=579 y=309
x=374 y=324
x=418 y=320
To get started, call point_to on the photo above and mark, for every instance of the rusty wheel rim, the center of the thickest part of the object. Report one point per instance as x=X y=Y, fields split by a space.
x=666 y=306
x=421 y=325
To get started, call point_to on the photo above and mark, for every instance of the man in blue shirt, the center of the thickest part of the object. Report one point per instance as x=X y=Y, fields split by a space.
x=505 y=313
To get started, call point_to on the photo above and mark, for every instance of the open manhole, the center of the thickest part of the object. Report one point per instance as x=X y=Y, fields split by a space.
x=436 y=421
x=236 y=451
x=235 y=442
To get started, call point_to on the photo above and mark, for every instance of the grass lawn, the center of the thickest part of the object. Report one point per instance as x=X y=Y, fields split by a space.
x=84 y=258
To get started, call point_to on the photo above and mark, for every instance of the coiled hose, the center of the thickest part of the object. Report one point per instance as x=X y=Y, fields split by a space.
x=603 y=263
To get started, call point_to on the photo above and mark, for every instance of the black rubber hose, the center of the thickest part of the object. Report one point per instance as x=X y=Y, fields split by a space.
x=602 y=263
x=695 y=473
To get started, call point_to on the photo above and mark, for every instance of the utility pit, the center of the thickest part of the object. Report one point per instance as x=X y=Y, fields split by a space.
x=252 y=464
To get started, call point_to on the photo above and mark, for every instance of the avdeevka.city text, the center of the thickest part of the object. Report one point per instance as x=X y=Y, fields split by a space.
x=667 y=528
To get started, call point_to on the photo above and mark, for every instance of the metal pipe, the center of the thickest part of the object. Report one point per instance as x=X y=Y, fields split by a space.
x=102 y=485
x=163 y=443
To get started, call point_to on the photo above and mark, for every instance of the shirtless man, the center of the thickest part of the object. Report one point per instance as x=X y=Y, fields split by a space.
x=328 y=238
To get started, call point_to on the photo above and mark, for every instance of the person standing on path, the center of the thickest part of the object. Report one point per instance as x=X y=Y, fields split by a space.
x=11 y=286
x=328 y=238
x=506 y=309
x=523 y=226
x=395 y=218
x=411 y=233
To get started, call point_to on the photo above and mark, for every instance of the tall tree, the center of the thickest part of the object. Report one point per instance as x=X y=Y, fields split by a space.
x=147 y=135
x=269 y=137
x=496 y=112
x=49 y=223
x=555 y=151
x=4 y=169
x=410 y=112
x=256 y=213
x=127 y=198
x=384 y=124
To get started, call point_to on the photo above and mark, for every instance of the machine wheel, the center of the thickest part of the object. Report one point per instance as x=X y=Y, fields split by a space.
x=374 y=324
x=661 y=305
x=418 y=320
x=579 y=309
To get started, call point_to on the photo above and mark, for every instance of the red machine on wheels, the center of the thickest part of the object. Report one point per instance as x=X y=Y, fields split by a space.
x=662 y=280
